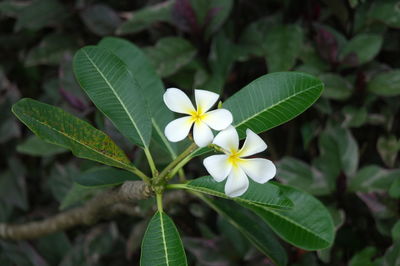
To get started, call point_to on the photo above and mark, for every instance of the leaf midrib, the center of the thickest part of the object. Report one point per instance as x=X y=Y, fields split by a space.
x=118 y=98
x=222 y=195
x=73 y=139
x=258 y=243
x=164 y=240
x=296 y=224
x=278 y=103
x=266 y=110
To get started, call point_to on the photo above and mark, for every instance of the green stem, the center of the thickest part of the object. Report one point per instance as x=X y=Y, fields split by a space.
x=151 y=162
x=175 y=186
x=139 y=173
x=159 y=202
x=178 y=166
x=182 y=157
x=181 y=174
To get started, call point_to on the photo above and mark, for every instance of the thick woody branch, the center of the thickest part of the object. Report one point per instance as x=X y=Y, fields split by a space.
x=104 y=204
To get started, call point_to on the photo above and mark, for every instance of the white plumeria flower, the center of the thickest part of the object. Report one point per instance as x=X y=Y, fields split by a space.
x=178 y=129
x=235 y=166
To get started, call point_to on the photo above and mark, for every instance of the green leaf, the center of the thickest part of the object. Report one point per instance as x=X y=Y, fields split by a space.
x=386 y=11
x=35 y=146
x=364 y=257
x=211 y=14
x=151 y=86
x=103 y=177
x=396 y=231
x=255 y=230
x=112 y=88
x=258 y=194
x=144 y=18
x=388 y=147
x=296 y=173
x=354 y=117
x=170 y=54
x=222 y=56
x=77 y=195
x=55 y=126
x=386 y=83
x=364 y=46
x=336 y=87
x=162 y=244
x=11 y=8
x=373 y=178
x=100 y=19
x=50 y=50
x=392 y=255
x=252 y=40
x=283 y=45
x=394 y=190
x=272 y=100
x=53 y=247
x=40 y=13
x=13 y=191
x=339 y=151
x=308 y=225
x=60 y=181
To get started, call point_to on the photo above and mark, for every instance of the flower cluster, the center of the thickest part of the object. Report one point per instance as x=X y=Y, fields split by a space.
x=234 y=165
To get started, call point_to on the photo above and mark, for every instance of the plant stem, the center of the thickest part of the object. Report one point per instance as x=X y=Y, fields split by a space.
x=139 y=173
x=181 y=174
x=182 y=157
x=159 y=201
x=151 y=162
x=178 y=167
x=175 y=186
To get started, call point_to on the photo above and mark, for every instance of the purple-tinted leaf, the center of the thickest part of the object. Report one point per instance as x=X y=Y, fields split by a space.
x=327 y=45
x=184 y=16
x=72 y=100
x=68 y=87
x=100 y=19
x=351 y=59
x=374 y=204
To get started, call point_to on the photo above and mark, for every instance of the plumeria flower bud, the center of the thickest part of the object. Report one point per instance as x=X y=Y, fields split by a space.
x=178 y=129
x=234 y=164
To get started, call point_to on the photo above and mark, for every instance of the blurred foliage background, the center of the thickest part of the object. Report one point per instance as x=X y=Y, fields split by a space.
x=343 y=150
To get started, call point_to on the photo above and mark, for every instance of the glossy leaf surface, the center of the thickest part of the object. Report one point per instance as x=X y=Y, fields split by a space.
x=151 y=86
x=308 y=225
x=56 y=126
x=257 y=194
x=255 y=230
x=112 y=88
x=162 y=244
x=272 y=99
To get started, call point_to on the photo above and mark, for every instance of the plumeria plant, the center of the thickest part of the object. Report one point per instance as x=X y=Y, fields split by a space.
x=118 y=78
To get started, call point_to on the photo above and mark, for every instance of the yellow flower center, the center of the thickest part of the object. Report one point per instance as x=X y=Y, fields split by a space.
x=197 y=116
x=234 y=158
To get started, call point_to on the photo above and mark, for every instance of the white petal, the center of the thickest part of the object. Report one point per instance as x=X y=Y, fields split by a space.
x=237 y=183
x=202 y=134
x=177 y=101
x=218 y=119
x=205 y=100
x=178 y=129
x=252 y=145
x=260 y=170
x=228 y=139
x=218 y=166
